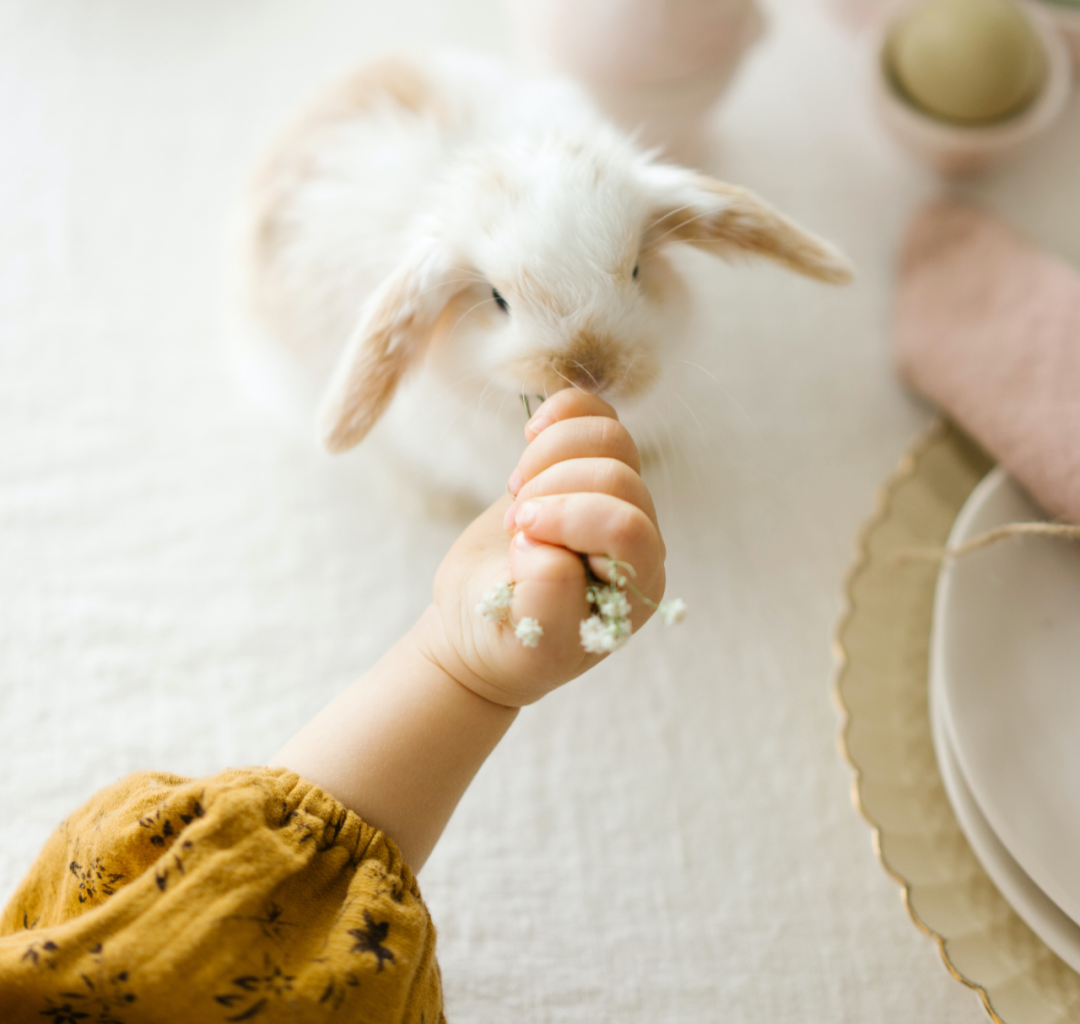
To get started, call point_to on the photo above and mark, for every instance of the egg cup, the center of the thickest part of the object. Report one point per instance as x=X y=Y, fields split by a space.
x=957 y=150
x=1067 y=19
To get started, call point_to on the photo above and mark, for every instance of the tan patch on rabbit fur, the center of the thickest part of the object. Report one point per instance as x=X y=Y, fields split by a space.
x=658 y=279
x=592 y=362
x=375 y=373
x=747 y=226
x=393 y=78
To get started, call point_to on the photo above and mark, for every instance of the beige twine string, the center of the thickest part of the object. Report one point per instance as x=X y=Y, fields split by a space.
x=985 y=540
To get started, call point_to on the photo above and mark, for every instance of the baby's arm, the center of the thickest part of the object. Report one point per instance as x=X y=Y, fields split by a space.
x=401 y=745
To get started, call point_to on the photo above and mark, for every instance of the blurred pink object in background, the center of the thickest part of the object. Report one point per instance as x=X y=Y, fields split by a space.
x=987 y=326
x=654 y=66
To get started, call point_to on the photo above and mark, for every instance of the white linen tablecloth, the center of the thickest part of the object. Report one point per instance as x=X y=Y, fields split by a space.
x=669 y=840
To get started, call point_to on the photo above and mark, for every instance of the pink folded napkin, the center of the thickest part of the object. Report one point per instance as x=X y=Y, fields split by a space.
x=988 y=326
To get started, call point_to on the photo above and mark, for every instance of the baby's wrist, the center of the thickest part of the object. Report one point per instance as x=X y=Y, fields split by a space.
x=433 y=644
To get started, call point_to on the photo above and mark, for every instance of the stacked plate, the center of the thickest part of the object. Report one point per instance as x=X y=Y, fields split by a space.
x=1005 y=709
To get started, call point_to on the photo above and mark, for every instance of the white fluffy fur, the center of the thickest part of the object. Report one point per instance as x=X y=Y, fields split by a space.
x=379 y=225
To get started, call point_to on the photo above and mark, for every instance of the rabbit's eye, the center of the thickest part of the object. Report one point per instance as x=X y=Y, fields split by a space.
x=500 y=301
x=634 y=274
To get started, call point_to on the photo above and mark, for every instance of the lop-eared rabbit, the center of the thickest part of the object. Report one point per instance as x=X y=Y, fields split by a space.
x=433 y=239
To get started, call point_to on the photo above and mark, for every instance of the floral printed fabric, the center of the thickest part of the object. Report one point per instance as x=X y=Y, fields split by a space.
x=250 y=895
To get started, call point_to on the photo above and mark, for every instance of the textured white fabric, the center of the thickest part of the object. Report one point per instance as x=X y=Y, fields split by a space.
x=182 y=583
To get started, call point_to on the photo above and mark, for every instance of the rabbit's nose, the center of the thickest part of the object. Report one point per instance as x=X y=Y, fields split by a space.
x=591 y=379
x=588 y=361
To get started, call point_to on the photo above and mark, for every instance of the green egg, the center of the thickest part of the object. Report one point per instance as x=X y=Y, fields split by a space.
x=966 y=61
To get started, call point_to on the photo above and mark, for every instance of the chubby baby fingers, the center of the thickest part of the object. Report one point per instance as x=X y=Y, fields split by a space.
x=586 y=437
x=567 y=404
x=598 y=476
x=601 y=526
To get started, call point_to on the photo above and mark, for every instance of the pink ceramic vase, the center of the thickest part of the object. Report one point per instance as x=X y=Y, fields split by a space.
x=655 y=66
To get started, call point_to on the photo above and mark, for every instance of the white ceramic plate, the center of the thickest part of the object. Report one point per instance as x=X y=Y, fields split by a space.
x=1042 y=915
x=1005 y=658
x=880 y=687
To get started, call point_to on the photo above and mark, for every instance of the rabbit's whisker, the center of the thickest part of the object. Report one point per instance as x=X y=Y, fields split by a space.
x=724 y=390
x=626 y=373
x=457 y=323
x=478 y=407
x=678 y=227
x=564 y=377
x=719 y=242
x=584 y=369
x=700 y=467
x=456 y=383
x=669 y=213
x=698 y=366
x=442 y=284
x=686 y=406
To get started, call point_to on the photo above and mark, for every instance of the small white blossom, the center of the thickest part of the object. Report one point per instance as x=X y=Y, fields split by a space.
x=600 y=637
x=673 y=611
x=603 y=632
x=495 y=604
x=612 y=604
x=528 y=631
x=594 y=636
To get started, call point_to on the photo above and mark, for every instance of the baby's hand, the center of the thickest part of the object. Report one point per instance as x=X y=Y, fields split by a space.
x=576 y=489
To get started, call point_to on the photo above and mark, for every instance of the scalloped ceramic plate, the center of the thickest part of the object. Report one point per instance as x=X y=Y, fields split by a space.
x=1045 y=917
x=882 y=652
x=1006 y=655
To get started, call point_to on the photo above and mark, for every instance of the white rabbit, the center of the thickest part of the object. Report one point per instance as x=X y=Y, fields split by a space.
x=434 y=239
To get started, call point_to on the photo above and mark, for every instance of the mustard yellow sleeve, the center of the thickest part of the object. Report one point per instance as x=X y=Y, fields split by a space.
x=247 y=896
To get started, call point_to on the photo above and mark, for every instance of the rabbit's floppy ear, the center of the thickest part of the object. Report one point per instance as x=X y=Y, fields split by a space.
x=394 y=327
x=730 y=221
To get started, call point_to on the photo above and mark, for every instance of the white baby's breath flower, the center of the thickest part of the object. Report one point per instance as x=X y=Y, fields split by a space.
x=495 y=604
x=600 y=637
x=673 y=611
x=612 y=604
x=594 y=635
x=604 y=631
x=528 y=631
